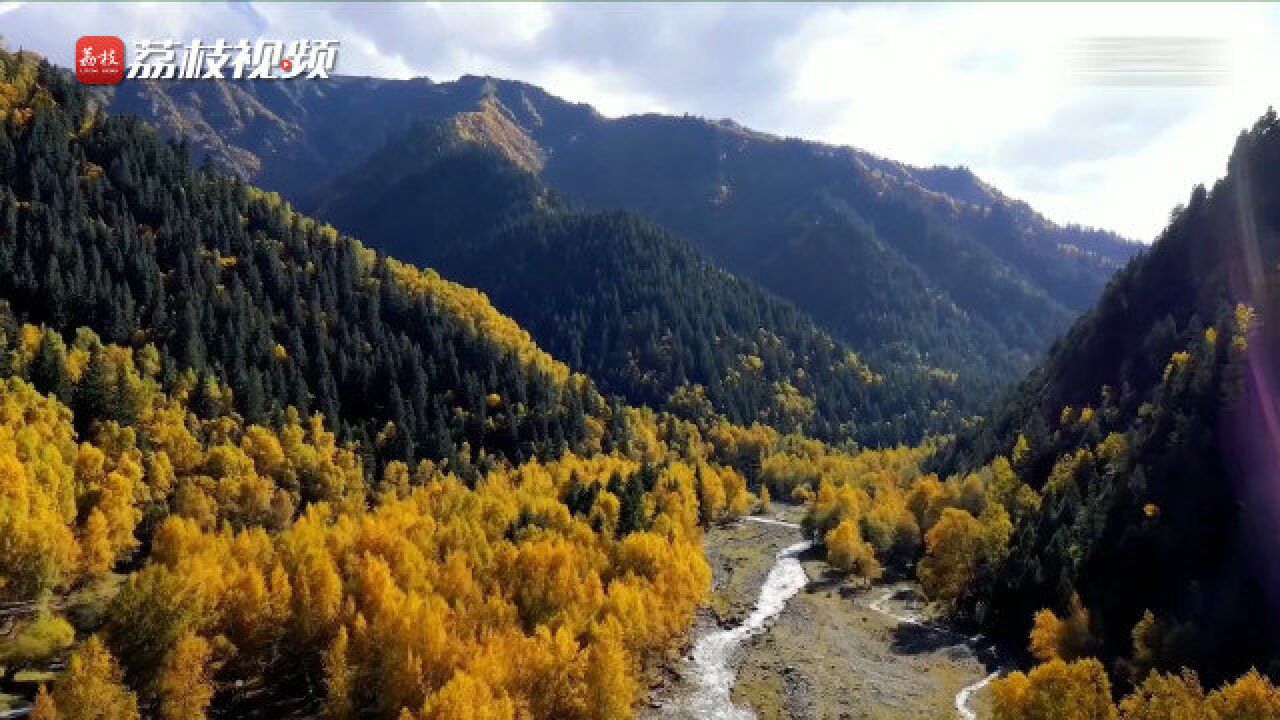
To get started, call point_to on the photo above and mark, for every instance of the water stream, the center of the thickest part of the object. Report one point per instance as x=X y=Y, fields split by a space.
x=880 y=605
x=713 y=671
x=966 y=692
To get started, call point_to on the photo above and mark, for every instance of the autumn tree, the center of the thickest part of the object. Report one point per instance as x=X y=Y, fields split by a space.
x=1066 y=638
x=35 y=643
x=1251 y=697
x=43 y=707
x=184 y=686
x=92 y=687
x=848 y=552
x=466 y=697
x=156 y=607
x=610 y=678
x=98 y=555
x=339 y=683
x=1165 y=697
x=1055 y=690
x=954 y=548
x=1158 y=644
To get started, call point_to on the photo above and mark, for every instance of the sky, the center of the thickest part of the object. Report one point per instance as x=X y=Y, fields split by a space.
x=1104 y=115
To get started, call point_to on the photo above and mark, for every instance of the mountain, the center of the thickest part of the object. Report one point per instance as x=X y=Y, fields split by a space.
x=911 y=267
x=176 y=537
x=1151 y=430
x=639 y=310
x=254 y=469
x=109 y=227
x=647 y=318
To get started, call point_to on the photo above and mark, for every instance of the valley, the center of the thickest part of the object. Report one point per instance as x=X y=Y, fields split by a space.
x=522 y=412
x=834 y=650
x=676 y=232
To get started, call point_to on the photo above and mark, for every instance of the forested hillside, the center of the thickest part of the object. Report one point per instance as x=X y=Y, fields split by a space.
x=648 y=318
x=916 y=268
x=113 y=230
x=253 y=469
x=1151 y=433
x=1114 y=519
x=614 y=296
x=973 y=282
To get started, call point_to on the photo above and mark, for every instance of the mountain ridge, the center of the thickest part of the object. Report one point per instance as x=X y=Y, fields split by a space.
x=1151 y=430
x=875 y=251
x=639 y=310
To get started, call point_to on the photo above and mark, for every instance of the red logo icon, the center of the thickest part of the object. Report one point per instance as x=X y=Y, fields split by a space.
x=99 y=60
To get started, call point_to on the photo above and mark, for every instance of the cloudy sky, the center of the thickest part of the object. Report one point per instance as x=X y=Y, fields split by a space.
x=1103 y=115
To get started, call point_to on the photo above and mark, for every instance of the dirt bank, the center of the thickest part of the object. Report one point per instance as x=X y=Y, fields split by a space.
x=828 y=654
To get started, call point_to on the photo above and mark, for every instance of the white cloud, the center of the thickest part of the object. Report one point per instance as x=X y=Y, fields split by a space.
x=987 y=86
x=993 y=87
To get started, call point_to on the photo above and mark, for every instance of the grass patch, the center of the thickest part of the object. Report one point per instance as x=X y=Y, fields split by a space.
x=35 y=677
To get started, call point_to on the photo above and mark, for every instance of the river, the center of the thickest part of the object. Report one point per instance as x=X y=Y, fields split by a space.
x=965 y=696
x=712 y=666
x=712 y=671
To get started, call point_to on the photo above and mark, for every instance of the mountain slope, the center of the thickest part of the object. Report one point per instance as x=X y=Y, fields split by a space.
x=920 y=267
x=765 y=206
x=641 y=312
x=465 y=528
x=647 y=317
x=107 y=226
x=1152 y=431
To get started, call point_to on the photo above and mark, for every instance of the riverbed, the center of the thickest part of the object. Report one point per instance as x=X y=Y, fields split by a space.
x=784 y=638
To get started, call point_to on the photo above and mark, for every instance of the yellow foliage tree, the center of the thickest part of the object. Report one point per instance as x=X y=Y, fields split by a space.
x=1066 y=638
x=43 y=707
x=1165 y=697
x=338 y=679
x=184 y=686
x=466 y=697
x=97 y=553
x=91 y=688
x=610 y=679
x=1055 y=690
x=848 y=552
x=1251 y=697
x=953 y=548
